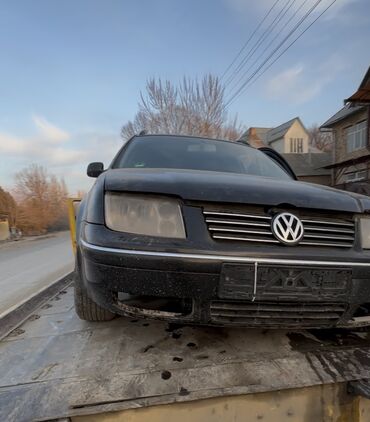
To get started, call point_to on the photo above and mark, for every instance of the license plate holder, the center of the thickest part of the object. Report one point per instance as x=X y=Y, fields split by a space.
x=264 y=282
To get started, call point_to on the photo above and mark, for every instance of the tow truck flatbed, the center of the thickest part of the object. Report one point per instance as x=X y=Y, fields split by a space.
x=56 y=366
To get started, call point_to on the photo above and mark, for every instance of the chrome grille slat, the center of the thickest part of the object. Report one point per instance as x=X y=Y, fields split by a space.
x=221 y=229
x=328 y=222
x=262 y=217
x=329 y=237
x=326 y=229
x=256 y=228
x=337 y=245
x=245 y=239
x=242 y=223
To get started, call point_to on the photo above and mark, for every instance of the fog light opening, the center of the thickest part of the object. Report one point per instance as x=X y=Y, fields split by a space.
x=156 y=303
x=362 y=311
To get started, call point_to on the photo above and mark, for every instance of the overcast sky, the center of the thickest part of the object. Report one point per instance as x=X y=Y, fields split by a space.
x=71 y=70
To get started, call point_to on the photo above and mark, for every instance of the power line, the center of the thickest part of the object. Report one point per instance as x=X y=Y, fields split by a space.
x=247 y=82
x=260 y=40
x=287 y=48
x=249 y=39
x=293 y=42
x=297 y=25
x=269 y=44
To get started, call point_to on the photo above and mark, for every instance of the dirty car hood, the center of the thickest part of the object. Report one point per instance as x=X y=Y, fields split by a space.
x=210 y=186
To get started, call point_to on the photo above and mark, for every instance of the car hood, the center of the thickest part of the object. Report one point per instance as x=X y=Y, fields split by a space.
x=210 y=186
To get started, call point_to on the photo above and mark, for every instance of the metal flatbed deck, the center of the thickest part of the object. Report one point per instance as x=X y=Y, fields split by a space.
x=56 y=366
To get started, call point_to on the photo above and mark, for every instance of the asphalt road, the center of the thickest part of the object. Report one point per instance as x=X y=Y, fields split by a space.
x=27 y=266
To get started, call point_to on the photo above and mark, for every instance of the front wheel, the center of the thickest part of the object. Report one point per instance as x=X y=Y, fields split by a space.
x=85 y=307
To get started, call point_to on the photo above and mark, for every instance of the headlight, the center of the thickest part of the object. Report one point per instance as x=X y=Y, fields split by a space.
x=142 y=214
x=365 y=232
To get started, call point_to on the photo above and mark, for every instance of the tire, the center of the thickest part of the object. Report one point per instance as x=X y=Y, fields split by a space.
x=85 y=307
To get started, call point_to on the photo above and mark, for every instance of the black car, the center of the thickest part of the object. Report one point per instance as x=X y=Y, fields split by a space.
x=205 y=231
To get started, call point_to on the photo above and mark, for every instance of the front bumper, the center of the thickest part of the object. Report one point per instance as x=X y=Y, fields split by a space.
x=330 y=295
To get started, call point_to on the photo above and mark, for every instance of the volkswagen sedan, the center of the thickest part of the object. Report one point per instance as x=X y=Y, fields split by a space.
x=206 y=231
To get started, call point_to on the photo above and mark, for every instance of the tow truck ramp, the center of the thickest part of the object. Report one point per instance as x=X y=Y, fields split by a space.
x=57 y=367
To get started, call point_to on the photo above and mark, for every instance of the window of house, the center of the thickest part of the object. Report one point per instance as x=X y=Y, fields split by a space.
x=355 y=176
x=356 y=136
x=296 y=145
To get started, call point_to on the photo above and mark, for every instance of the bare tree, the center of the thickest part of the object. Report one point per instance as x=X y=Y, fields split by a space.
x=192 y=107
x=8 y=207
x=41 y=200
x=81 y=193
x=320 y=140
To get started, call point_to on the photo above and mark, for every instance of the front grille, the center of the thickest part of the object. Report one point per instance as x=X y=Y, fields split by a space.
x=287 y=314
x=250 y=227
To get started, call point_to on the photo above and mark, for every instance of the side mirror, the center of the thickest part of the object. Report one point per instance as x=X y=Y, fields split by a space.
x=95 y=169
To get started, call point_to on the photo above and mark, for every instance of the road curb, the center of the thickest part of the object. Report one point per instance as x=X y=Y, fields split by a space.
x=17 y=316
x=27 y=239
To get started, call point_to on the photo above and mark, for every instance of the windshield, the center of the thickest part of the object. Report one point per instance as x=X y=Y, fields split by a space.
x=197 y=154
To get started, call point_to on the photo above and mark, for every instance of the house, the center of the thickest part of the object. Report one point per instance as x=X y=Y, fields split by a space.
x=350 y=128
x=362 y=95
x=292 y=140
x=290 y=137
x=4 y=227
x=256 y=136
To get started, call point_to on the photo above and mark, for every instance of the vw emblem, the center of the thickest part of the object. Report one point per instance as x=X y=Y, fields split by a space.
x=287 y=228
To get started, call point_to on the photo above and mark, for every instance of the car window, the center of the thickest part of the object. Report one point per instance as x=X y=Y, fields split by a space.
x=197 y=154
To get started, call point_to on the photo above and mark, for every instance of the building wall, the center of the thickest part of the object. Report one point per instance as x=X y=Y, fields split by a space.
x=340 y=173
x=319 y=180
x=340 y=149
x=296 y=131
x=4 y=230
x=340 y=153
x=278 y=145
